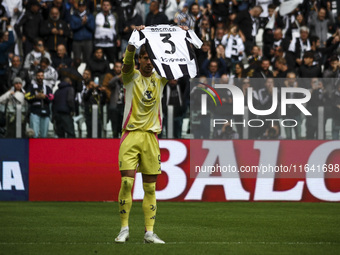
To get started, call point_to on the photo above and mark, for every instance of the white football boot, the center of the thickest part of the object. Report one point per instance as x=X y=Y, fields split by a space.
x=152 y=238
x=122 y=236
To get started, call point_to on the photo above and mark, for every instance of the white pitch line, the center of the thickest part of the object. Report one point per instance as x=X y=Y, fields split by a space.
x=204 y=243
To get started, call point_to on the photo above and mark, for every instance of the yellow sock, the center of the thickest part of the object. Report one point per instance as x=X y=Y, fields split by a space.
x=125 y=200
x=149 y=205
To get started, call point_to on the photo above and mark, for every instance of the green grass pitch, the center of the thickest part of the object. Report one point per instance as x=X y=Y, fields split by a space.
x=186 y=227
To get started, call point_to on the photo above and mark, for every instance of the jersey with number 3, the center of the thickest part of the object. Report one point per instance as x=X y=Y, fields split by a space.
x=169 y=49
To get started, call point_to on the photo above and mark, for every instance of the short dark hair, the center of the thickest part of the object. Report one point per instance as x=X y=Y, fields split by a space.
x=265 y=59
x=271 y=6
x=45 y=60
x=240 y=65
x=39 y=71
x=281 y=61
x=37 y=40
x=142 y=51
x=334 y=58
x=67 y=80
x=308 y=54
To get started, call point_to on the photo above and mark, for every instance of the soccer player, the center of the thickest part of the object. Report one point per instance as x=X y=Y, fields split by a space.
x=139 y=147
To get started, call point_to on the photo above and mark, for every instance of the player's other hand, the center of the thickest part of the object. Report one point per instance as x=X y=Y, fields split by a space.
x=184 y=28
x=141 y=27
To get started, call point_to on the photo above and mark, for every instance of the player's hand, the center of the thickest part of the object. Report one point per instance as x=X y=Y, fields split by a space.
x=141 y=27
x=184 y=28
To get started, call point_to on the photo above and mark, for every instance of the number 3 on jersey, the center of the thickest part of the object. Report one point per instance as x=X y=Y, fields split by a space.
x=166 y=40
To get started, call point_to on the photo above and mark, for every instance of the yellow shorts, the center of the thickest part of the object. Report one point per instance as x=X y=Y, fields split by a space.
x=140 y=150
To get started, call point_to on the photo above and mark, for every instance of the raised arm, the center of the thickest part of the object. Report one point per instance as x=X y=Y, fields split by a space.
x=129 y=59
x=130 y=54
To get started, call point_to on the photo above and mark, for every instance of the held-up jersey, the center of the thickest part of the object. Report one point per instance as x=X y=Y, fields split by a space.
x=143 y=101
x=169 y=49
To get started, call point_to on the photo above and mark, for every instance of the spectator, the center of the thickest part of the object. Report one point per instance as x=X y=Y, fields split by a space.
x=332 y=45
x=309 y=69
x=202 y=53
x=318 y=98
x=72 y=73
x=209 y=69
x=39 y=97
x=50 y=74
x=336 y=112
x=234 y=47
x=115 y=92
x=200 y=126
x=55 y=31
x=105 y=36
x=298 y=47
x=143 y=9
x=4 y=16
x=221 y=10
x=173 y=7
x=333 y=70
x=155 y=17
x=83 y=26
x=6 y=41
x=214 y=68
x=319 y=25
x=94 y=95
x=321 y=54
x=278 y=53
x=185 y=18
x=220 y=32
x=16 y=70
x=13 y=97
x=226 y=133
x=264 y=71
x=32 y=60
x=272 y=132
x=206 y=31
x=98 y=65
x=275 y=19
x=254 y=61
x=173 y=95
x=225 y=112
x=61 y=60
x=63 y=109
x=15 y=9
x=246 y=21
x=277 y=41
x=282 y=68
x=86 y=78
x=294 y=24
x=240 y=74
x=292 y=112
x=129 y=21
x=27 y=28
x=48 y=5
x=265 y=96
x=239 y=118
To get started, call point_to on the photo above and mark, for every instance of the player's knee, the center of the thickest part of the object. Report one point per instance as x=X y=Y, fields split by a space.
x=127 y=183
x=149 y=188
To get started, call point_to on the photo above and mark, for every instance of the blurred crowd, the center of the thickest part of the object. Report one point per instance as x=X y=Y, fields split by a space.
x=44 y=43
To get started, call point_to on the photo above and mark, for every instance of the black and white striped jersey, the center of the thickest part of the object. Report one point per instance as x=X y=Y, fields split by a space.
x=169 y=49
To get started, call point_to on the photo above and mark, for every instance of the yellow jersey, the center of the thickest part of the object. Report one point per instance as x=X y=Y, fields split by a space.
x=143 y=108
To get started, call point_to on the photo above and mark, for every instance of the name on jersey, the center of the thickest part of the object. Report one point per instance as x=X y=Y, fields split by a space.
x=163 y=29
x=171 y=60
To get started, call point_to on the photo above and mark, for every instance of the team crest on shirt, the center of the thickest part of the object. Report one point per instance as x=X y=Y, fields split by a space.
x=148 y=94
x=148 y=98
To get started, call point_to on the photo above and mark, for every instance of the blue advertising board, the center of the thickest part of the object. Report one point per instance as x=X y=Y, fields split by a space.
x=14 y=169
